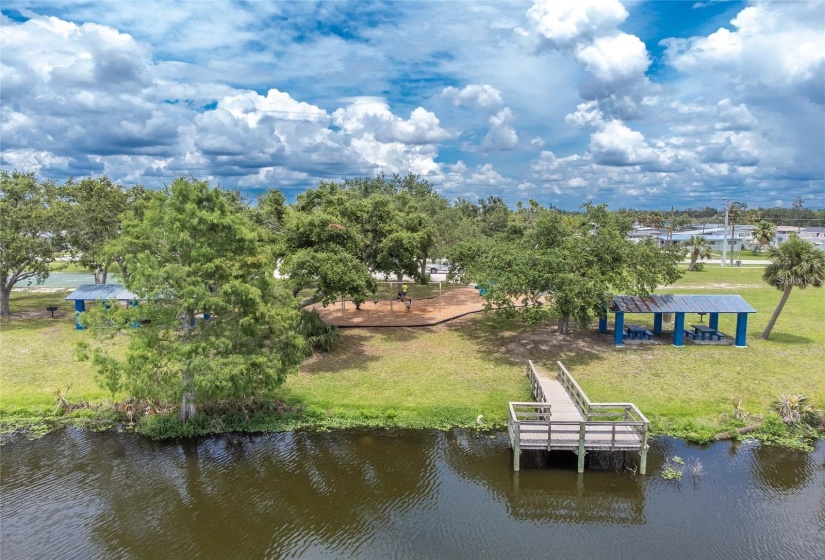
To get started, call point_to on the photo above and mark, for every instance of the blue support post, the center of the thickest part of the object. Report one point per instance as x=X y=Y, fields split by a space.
x=714 y=321
x=679 y=330
x=741 y=330
x=207 y=316
x=79 y=307
x=603 y=322
x=618 y=333
x=657 y=323
x=133 y=303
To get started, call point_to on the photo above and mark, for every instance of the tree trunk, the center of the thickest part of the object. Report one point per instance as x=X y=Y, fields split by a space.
x=694 y=256
x=187 y=406
x=564 y=324
x=5 y=293
x=767 y=332
x=424 y=266
x=105 y=274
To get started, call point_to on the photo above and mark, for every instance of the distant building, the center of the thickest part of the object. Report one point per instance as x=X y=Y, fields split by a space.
x=815 y=235
x=715 y=236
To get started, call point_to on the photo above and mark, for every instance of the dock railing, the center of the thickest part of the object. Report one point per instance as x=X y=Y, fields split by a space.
x=605 y=426
x=535 y=386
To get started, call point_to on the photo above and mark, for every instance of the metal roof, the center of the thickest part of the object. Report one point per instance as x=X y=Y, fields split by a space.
x=90 y=292
x=669 y=303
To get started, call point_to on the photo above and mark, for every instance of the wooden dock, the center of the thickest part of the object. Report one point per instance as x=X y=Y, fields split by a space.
x=563 y=418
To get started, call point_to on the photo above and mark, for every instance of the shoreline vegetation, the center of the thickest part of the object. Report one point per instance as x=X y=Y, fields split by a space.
x=460 y=374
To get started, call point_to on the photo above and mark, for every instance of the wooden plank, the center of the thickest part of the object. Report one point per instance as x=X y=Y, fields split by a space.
x=565 y=419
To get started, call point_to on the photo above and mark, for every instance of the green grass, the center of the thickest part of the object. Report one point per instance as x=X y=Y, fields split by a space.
x=411 y=377
x=448 y=375
x=697 y=383
x=745 y=255
x=66 y=266
x=37 y=355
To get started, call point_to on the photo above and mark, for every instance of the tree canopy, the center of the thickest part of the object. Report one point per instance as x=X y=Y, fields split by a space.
x=96 y=206
x=336 y=236
x=191 y=254
x=547 y=264
x=32 y=222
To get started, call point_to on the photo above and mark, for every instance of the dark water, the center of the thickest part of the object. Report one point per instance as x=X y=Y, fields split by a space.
x=404 y=494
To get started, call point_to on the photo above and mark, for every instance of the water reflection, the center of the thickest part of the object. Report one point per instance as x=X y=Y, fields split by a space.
x=552 y=492
x=412 y=494
x=780 y=469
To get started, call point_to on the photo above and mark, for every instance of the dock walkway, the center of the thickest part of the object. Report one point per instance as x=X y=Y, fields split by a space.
x=563 y=418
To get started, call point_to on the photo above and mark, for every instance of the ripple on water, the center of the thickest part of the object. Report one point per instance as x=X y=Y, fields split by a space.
x=411 y=494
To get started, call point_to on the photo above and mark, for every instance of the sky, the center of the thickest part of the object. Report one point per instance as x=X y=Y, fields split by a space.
x=636 y=104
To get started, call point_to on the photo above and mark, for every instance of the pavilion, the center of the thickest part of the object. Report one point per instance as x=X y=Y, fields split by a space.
x=712 y=305
x=97 y=292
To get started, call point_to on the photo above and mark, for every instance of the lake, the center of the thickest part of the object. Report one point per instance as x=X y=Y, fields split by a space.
x=397 y=494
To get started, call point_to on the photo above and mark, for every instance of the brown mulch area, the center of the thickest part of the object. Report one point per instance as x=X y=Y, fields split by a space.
x=427 y=311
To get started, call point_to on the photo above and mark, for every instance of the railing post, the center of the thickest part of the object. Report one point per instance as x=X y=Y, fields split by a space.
x=516 y=445
x=582 y=433
x=643 y=455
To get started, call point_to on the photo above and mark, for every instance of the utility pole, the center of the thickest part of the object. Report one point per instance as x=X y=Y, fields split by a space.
x=725 y=235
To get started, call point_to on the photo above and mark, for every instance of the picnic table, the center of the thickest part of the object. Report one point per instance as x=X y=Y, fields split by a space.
x=638 y=332
x=706 y=333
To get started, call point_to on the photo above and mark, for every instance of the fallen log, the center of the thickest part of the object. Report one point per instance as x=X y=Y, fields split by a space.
x=741 y=431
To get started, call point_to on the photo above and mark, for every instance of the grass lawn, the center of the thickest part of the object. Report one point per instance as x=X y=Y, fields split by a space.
x=37 y=355
x=450 y=374
x=698 y=382
x=476 y=365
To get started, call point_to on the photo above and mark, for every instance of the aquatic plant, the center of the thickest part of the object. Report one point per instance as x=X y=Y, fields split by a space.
x=697 y=470
x=672 y=468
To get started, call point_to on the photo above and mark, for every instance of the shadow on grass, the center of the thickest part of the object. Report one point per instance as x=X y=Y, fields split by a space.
x=511 y=342
x=34 y=324
x=355 y=349
x=785 y=338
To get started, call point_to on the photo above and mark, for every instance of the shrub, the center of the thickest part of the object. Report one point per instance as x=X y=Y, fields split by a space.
x=317 y=334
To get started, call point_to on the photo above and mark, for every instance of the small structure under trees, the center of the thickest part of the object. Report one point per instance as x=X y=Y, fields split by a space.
x=712 y=305
x=97 y=292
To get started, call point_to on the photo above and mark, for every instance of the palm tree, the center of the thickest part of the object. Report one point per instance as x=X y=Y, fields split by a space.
x=796 y=262
x=699 y=248
x=764 y=233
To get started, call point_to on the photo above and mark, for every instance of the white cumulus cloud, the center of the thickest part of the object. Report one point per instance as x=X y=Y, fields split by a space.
x=615 y=57
x=483 y=96
x=564 y=23
x=618 y=145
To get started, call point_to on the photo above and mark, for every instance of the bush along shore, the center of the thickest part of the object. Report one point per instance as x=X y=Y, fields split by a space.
x=158 y=421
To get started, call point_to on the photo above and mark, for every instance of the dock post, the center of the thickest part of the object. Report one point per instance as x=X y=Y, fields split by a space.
x=582 y=427
x=516 y=440
x=643 y=454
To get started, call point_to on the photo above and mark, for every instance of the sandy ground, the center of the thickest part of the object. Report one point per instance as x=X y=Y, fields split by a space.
x=428 y=311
